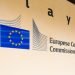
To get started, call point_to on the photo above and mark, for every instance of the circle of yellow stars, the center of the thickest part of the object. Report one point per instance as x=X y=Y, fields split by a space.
x=10 y=36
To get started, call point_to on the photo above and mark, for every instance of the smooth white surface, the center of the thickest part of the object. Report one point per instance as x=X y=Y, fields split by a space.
x=20 y=62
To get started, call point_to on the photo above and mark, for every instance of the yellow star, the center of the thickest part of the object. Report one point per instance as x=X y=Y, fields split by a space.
x=16 y=31
x=12 y=43
x=12 y=31
x=9 y=36
x=10 y=40
x=22 y=38
x=15 y=44
x=19 y=44
x=19 y=33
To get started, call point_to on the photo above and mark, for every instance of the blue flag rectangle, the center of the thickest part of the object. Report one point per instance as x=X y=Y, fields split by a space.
x=14 y=37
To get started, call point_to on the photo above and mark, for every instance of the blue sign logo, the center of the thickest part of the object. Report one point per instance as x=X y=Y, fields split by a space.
x=14 y=37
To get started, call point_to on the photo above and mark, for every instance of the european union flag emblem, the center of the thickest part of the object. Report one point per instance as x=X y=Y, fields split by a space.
x=12 y=37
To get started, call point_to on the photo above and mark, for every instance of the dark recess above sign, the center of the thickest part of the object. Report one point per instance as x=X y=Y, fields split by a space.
x=72 y=1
